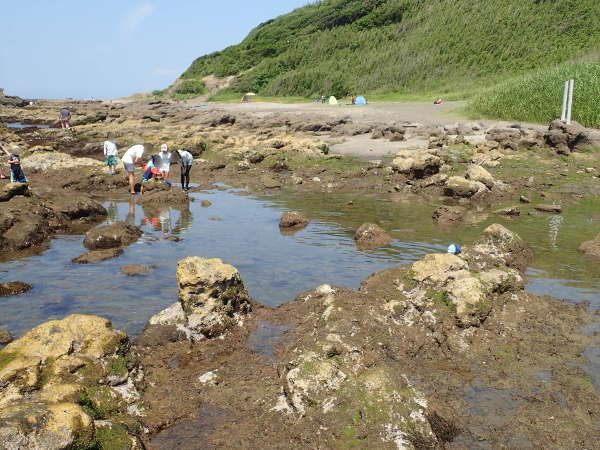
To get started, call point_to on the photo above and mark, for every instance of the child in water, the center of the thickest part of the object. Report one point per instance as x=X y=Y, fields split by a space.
x=16 y=172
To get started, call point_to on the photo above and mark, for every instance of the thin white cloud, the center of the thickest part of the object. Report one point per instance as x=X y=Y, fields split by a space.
x=136 y=17
x=164 y=71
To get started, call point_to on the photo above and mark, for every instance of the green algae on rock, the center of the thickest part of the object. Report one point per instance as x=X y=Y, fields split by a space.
x=59 y=376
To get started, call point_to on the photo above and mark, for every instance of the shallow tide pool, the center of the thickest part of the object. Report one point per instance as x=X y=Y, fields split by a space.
x=243 y=231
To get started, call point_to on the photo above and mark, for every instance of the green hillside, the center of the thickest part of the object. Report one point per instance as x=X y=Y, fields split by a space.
x=537 y=96
x=404 y=46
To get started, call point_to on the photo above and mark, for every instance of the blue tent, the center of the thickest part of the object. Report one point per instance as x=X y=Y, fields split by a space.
x=360 y=100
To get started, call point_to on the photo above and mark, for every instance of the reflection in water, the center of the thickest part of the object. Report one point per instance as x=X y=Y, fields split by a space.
x=112 y=215
x=275 y=267
x=554 y=224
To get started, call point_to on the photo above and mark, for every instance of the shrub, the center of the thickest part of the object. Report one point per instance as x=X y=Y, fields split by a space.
x=191 y=87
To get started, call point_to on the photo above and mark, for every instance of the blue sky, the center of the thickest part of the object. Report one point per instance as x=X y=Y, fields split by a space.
x=112 y=48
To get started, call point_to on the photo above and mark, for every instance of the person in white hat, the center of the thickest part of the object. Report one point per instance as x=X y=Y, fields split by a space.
x=164 y=162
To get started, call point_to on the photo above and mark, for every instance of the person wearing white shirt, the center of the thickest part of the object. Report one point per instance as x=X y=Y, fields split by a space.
x=186 y=160
x=131 y=158
x=164 y=165
x=110 y=151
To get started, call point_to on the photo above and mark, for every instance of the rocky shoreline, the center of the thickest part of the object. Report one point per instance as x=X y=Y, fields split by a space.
x=391 y=365
x=402 y=362
x=467 y=165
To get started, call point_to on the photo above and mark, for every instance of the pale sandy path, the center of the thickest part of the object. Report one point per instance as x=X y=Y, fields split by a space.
x=362 y=146
x=426 y=113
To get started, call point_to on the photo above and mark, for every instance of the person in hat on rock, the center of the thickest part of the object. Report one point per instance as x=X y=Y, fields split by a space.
x=16 y=171
x=164 y=162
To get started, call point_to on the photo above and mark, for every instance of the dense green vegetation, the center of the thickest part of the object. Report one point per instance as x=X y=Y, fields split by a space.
x=341 y=47
x=195 y=87
x=537 y=96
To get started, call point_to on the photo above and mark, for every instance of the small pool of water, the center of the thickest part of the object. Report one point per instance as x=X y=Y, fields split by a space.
x=25 y=125
x=243 y=231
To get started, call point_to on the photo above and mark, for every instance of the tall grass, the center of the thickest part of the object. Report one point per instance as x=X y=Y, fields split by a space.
x=344 y=47
x=537 y=97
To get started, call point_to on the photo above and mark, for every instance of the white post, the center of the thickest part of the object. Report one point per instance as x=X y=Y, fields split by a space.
x=563 y=115
x=570 y=102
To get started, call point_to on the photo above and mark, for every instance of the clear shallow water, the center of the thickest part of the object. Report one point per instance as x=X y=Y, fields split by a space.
x=25 y=125
x=275 y=267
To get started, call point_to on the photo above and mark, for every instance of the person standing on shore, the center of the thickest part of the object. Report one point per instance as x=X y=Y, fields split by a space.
x=164 y=165
x=65 y=118
x=16 y=171
x=186 y=160
x=132 y=158
x=111 y=151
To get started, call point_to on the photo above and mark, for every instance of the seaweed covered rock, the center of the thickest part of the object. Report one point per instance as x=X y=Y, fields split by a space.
x=212 y=298
x=293 y=219
x=448 y=215
x=6 y=337
x=370 y=235
x=76 y=207
x=591 y=248
x=342 y=377
x=12 y=190
x=13 y=288
x=26 y=222
x=116 y=235
x=63 y=376
x=464 y=286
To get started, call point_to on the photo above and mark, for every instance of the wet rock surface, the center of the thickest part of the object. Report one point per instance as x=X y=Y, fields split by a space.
x=417 y=358
x=293 y=219
x=448 y=215
x=27 y=220
x=133 y=271
x=555 y=209
x=95 y=256
x=116 y=235
x=370 y=235
x=14 y=288
x=6 y=337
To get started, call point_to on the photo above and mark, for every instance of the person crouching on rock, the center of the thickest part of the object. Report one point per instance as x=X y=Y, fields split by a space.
x=132 y=158
x=164 y=166
x=111 y=151
x=150 y=169
x=65 y=118
x=186 y=160
x=16 y=172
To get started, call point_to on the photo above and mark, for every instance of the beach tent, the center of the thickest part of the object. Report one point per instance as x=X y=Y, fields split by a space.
x=360 y=100
x=333 y=100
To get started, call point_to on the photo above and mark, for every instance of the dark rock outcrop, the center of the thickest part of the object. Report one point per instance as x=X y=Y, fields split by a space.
x=120 y=234
x=14 y=288
x=293 y=219
x=370 y=235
